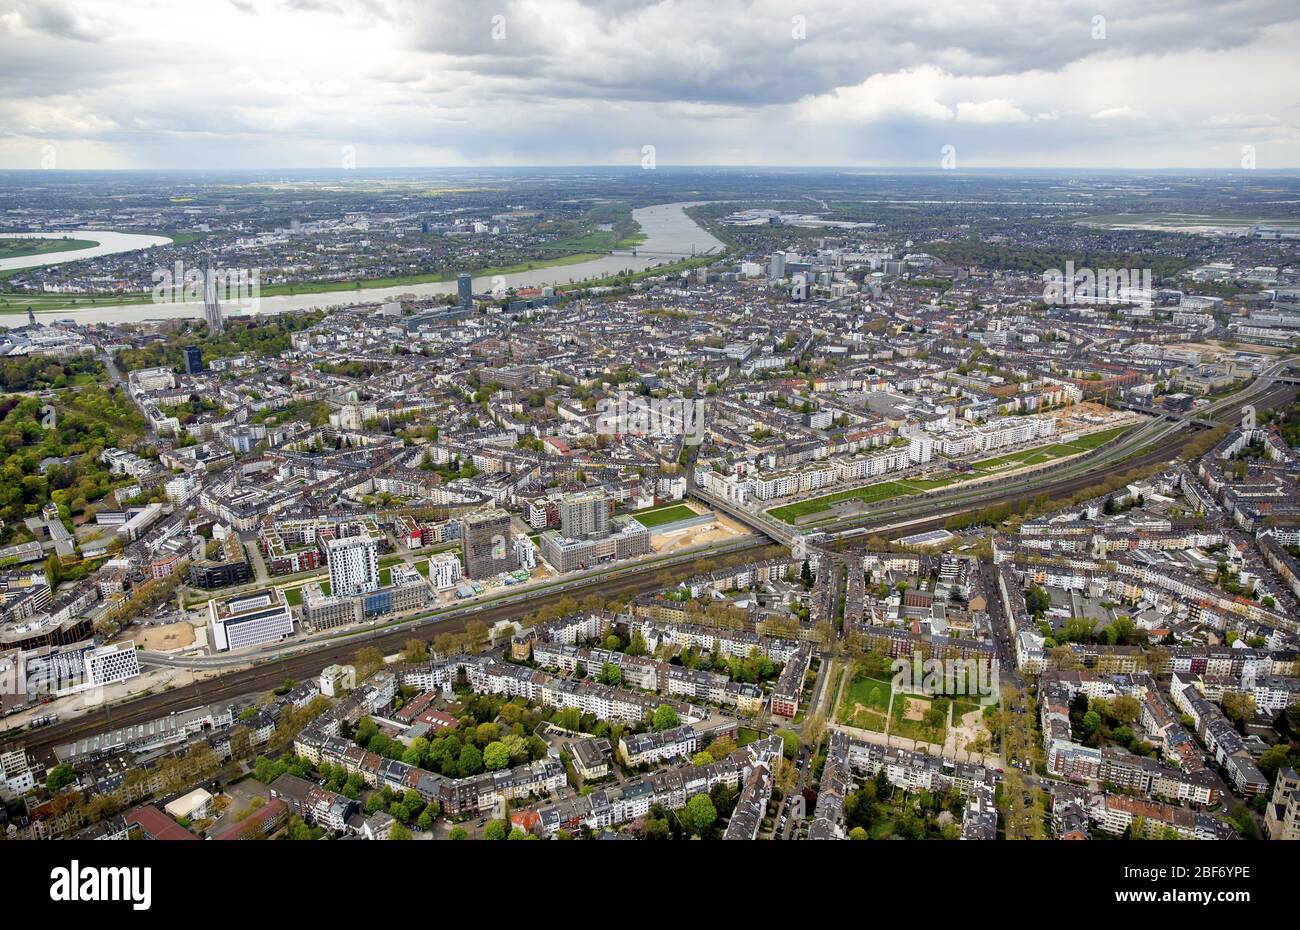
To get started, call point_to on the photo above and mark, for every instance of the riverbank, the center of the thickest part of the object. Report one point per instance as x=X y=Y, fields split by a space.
x=103 y=242
x=671 y=236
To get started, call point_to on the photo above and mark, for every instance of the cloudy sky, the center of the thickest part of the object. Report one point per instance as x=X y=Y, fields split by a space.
x=302 y=83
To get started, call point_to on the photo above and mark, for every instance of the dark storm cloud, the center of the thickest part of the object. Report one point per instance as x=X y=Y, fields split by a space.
x=745 y=53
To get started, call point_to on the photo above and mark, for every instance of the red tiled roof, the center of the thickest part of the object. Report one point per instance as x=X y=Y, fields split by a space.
x=157 y=825
x=265 y=818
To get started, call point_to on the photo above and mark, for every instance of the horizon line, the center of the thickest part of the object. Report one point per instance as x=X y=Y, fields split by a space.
x=661 y=167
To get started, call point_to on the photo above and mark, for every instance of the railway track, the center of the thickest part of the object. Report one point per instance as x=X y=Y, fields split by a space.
x=1169 y=447
x=267 y=674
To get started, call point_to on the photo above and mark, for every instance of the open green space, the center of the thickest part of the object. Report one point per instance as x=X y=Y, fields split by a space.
x=1041 y=454
x=606 y=226
x=869 y=494
x=312 y=287
x=1093 y=440
x=44 y=303
x=14 y=302
x=22 y=248
x=865 y=703
x=1180 y=219
x=652 y=518
x=920 y=485
x=908 y=706
x=597 y=239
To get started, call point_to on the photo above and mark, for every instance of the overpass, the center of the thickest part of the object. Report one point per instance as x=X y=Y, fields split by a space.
x=1147 y=409
x=774 y=529
x=1169 y=416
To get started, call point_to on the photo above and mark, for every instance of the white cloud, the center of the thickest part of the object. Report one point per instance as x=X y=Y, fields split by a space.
x=991 y=111
x=908 y=94
x=1122 y=112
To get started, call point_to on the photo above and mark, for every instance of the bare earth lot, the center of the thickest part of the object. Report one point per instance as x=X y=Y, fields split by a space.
x=165 y=638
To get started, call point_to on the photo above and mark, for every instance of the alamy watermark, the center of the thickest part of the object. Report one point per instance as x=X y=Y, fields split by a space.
x=652 y=416
x=231 y=288
x=57 y=675
x=77 y=882
x=1104 y=285
x=969 y=678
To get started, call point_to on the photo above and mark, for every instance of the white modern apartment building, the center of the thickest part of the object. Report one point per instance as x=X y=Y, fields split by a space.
x=444 y=570
x=998 y=433
x=728 y=486
x=181 y=488
x=1012 y=431
x=525 y=552
x=151 y=379
x=794 y=481
x=870 y=466
x=17 y=772
x=354 y=565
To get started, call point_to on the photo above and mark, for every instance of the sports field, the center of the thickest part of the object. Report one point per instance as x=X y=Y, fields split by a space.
x=652 y=518
x=869 y=494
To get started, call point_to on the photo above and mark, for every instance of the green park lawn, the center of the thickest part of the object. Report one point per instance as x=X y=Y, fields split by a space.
x=866 y=703
x=1046 y=453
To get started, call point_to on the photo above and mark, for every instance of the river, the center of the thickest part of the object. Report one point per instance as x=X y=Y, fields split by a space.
x=670 y=236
